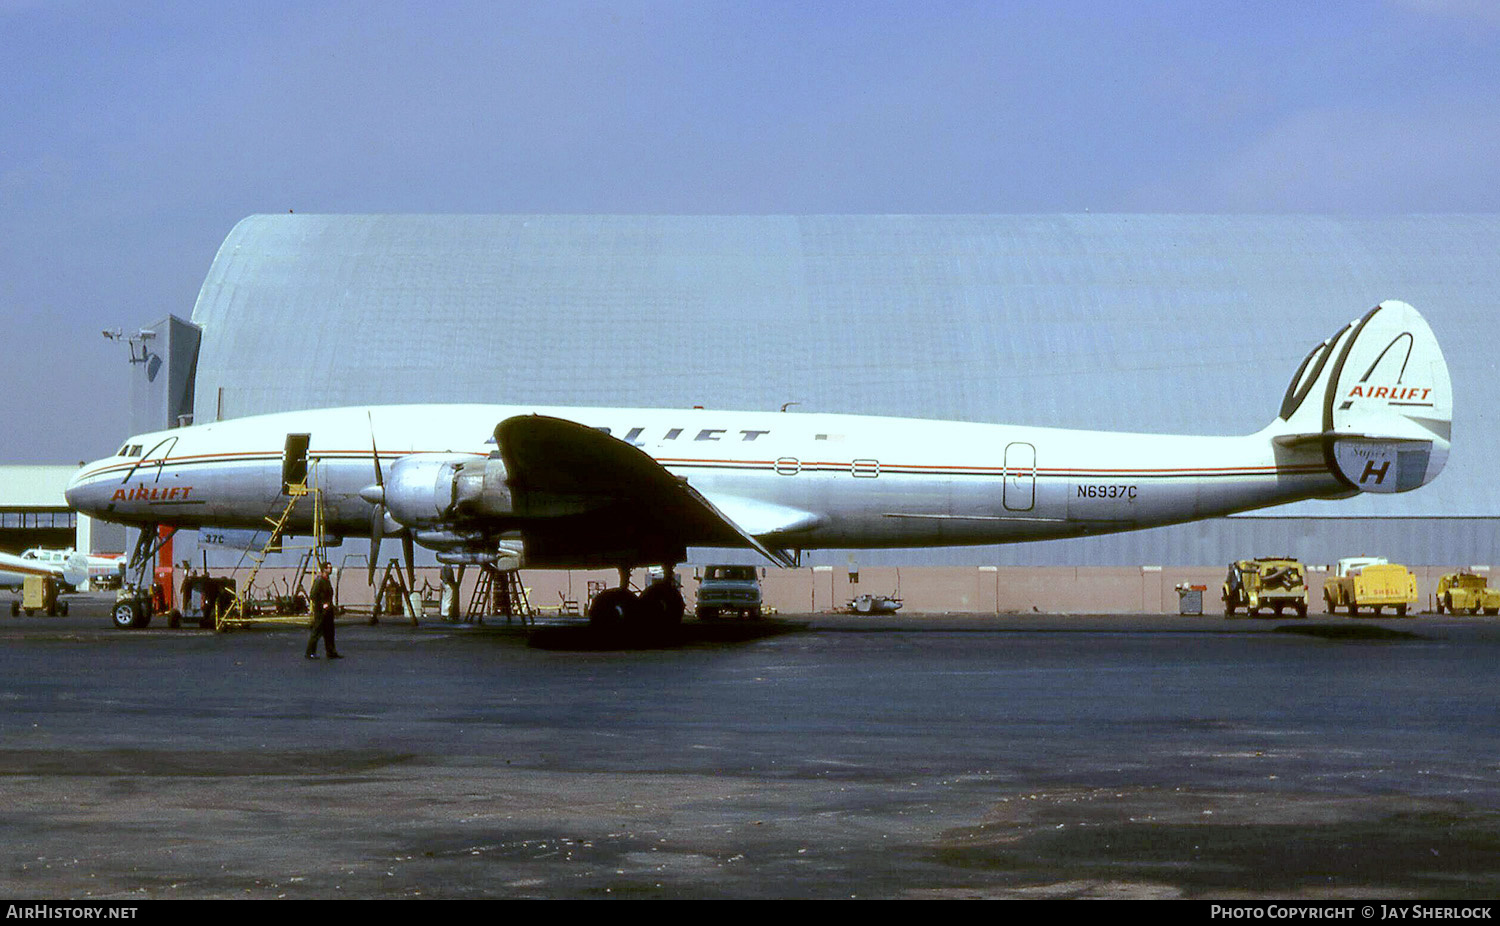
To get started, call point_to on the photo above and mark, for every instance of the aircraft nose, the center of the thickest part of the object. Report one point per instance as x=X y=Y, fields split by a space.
x=82 y=494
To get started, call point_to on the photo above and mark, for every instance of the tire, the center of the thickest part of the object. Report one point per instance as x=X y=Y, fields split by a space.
x=1302 y=610
x=1400 y=610
x=174 y=618
x=613 y=608
x=124 y=615
x=15 y=609
x=661 y=605
x=706 y=613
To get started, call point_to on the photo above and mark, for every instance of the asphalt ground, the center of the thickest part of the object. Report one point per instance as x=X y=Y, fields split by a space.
x=808 y=756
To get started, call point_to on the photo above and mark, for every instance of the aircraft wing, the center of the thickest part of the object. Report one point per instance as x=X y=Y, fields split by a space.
x=579 y=493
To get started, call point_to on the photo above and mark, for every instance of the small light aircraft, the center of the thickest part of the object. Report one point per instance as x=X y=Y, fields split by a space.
x=101 y=566
x=1369 y=410
x=72 y=568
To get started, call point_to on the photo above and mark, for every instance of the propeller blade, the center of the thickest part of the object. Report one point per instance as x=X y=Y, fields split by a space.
x=377 y=530
x=409 y=553
x=375 y=452
x=377 y=499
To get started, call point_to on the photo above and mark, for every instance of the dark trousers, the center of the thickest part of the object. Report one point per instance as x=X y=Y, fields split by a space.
x=322 y=627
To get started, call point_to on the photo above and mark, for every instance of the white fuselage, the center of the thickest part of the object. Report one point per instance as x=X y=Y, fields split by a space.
x=857 y=481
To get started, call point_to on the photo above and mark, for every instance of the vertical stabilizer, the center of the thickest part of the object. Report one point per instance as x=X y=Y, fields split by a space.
x=1377 y=397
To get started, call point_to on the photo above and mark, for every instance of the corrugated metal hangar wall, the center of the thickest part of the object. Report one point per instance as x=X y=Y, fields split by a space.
x=1162 y=323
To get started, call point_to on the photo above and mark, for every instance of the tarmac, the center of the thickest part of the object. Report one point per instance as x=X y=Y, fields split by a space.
x=808 y=756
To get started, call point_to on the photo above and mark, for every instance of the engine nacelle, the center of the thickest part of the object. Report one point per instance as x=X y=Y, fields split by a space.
x=431 y=490
x=509 y=555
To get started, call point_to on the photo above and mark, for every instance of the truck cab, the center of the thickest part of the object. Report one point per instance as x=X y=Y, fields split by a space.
x=728 y=588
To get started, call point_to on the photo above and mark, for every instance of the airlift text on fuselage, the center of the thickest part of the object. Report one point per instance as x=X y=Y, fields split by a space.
x=141 y=493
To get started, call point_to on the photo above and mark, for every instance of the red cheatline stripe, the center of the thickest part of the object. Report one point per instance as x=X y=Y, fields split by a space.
x=908 y=468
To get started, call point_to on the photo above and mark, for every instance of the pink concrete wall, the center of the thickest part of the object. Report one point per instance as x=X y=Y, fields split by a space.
x=927 y=589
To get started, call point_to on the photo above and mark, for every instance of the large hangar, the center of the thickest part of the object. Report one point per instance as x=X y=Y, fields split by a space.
x=1160 y=323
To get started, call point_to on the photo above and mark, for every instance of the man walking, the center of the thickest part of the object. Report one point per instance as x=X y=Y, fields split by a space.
x=322 y=615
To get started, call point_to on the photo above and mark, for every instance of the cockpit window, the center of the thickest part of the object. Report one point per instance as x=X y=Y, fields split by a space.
x=135 y=450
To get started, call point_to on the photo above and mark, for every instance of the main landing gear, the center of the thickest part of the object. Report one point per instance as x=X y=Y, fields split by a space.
x=660 y=607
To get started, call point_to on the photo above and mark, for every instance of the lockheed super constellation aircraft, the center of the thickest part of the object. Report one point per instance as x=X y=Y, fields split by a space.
x=1369 y=410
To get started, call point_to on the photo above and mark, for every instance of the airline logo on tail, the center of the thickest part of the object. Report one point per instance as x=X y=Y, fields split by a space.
x=1396 y=395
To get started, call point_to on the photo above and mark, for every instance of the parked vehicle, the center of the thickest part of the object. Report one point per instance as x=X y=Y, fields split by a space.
x=1460 y=592
x=39 y=593
x=875 y=604
x=728 y=588
x=1370 y=582
x=1272 y=582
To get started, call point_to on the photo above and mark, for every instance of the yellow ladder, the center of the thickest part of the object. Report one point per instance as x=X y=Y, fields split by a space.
x=235 y=614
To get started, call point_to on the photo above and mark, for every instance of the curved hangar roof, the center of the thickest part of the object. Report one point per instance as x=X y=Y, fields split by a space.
x=1169 y=323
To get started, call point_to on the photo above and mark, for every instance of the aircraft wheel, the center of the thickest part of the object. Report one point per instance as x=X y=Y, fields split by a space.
x=661 y=605
x=124 y=615
x=613 y=608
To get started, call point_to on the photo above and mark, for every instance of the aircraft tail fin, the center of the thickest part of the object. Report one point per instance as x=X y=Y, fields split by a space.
x=1377 y=398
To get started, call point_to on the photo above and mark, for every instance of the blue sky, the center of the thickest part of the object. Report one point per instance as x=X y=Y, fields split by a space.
x=134 y=135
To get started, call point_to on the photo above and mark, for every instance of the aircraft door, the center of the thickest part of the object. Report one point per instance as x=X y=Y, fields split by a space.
x=294 y=462
x=1020 y=477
